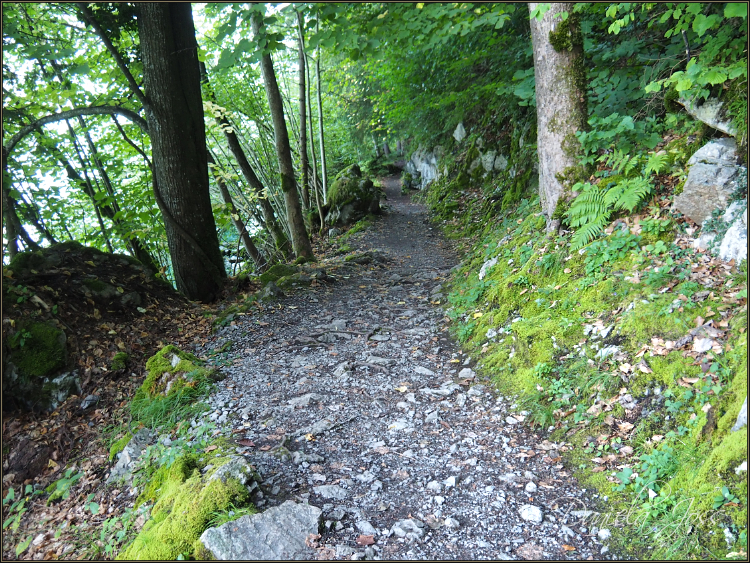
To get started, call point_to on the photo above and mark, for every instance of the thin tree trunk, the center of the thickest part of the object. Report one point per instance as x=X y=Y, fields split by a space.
x=386 y=149
x=178 y=139
x=89 y=188
x=560 y=105
x=323 y=170
x=252 y=250
x=303 y=118
x=300 y=240
x=315 y=180
x=375 y=145
x=269 y=217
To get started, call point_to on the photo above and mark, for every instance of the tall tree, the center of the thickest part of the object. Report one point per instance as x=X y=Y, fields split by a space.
x=300 y=240
x=323 y=170
x=560 y=104
x=175 y=116
x=303 y=161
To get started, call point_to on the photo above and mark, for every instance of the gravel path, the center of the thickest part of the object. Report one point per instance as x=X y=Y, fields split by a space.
x=351 y=396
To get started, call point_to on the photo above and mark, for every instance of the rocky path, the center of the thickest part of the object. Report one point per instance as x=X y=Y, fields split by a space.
x=351 y=396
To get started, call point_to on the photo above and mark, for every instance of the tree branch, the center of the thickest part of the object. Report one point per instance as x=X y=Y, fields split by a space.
x=115 y=54
x=92 y=110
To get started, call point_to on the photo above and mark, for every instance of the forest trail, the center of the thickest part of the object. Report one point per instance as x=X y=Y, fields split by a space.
x=351 y=396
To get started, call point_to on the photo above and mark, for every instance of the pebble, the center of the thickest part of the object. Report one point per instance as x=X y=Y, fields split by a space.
x=531 y=513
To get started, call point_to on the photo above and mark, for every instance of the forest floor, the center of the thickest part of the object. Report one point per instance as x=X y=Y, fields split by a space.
x=352 y=396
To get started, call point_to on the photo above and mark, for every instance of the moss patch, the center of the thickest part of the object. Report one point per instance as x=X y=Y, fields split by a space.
x=120 y=361
x=43 y=352
x=184 y=507
x=277 y=271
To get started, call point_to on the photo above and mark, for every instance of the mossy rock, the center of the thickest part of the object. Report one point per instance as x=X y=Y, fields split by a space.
x=171 y=369
x=33 y=374
x=351 y=197
x=277 y=271
x=185 y=504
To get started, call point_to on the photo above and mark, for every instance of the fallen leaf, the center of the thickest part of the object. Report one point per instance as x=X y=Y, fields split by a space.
x=698 y=320
x=265 y=448
x=567 y=270
x=706 y=407
x=212 y=448
x=624 y=426
x=365 y=540
x=246 y=442
x=597 y=460
x=477 y=315
x=523 y=291
x=626 y=450
x=568 y=547
x=657 y=437
x=598 y=469
x=402 y=389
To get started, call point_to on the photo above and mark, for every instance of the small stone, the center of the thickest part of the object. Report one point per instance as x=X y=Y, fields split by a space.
x=423 y=371
x=89 y=401
x=451 y=481
x=366 y=528
x=452 y=523
x=531 y=513
x=439 y=500
x=331 y=491
x=741 y=467
x=411 y=529
x=530 y=487
x=604 y=534
x=510 y=420
x=467 y=373
x=433 y=486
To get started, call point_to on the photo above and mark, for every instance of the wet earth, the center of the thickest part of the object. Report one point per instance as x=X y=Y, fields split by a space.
x=352 y=396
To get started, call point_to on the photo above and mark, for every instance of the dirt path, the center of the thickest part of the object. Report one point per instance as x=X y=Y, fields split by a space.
x=357 y=401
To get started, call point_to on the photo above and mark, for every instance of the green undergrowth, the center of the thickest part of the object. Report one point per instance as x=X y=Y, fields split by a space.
x=174 y=475
x=579 y=335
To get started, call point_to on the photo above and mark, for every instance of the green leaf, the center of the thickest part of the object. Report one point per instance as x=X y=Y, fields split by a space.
x=736 y=10
x=715 y=76
x=21 y=547
x=701 y=23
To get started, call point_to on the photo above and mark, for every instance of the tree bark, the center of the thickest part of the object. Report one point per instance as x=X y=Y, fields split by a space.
x=269 y=217
x=178 y=139
x=561 y=105
x=252 y=250
x=323 y=170
x=311 y=136
x=300 y=240
x=303 y=118
x=386 y=149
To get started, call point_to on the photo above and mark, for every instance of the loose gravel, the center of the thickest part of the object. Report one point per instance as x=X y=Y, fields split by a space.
x=352 y=396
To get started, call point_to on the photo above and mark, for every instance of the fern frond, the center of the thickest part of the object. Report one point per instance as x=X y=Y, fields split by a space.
x=587 y=207
x=635 y=190
x=588 y=232
x=656 y=163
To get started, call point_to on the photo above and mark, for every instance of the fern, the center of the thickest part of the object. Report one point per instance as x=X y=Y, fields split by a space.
x=587 y=207
x=656 y=163
x=621 y=163
x=634 y=191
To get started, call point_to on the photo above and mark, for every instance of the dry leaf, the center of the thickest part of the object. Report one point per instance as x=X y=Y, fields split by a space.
x=598 y=469
x=624 y=426
x=365 y=540
x=402 y=389
x=522 y=291
x=567 y=270
x=597 y=460
x=265 y=448
x=568 y=547
x=246 y=442
x=211 y=448
x=626 y=450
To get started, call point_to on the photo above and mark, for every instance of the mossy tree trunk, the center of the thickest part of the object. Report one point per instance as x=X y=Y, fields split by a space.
x=178 y=137
x=560 y=105
x=300 y=240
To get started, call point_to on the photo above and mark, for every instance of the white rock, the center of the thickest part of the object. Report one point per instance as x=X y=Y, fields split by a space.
x=531 y=513
x=467 y=373
x=451 y=523
x=460 y=133
x=530 y=487
x=734 y=244
x=604 y=534
x=486 y=267
x=423 y=371
x=434 y=486
x=741 y=467
x=511 y=420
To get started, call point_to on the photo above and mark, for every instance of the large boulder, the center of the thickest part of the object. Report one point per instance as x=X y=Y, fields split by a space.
x=351 y=197
x=423 y=165
x=279 y=533
x=34 y=367
x=711 y=180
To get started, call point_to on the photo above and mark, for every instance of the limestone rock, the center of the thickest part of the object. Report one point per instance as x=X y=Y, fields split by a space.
x=236 y=468
x=488 y=161
x=460 y=133
x=411 y=529
x=734 y=244
x=531 y=513
x=741 y=418
x=271 y=291
x=501 y=163
x=279 y=533
x=423 y=166
x=710 y=182
x=128 y=457
x=709 y=113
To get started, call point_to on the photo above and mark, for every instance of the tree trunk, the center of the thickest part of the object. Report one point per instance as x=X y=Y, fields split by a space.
x=375 y=145
x=323 y=170
x=303 y=118
x=13 y=226
x=269 y=217
x=386 y=149
x=315 y=182
x=178 y=139
x=252 y=250
x=300 y=240
x=560 y=106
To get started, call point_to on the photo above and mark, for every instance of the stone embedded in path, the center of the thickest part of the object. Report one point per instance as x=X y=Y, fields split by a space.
x=279 y=533
x=423 y=371
x=331 y=491
x=411 y=529
x=531 y=513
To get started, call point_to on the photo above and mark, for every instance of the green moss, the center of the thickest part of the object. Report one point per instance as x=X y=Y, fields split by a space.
x=277 y=271
x=184 y=507
x=119 y=445
x=28 y=260
x=120 y=361
x=187 y=372
x=43 y=352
